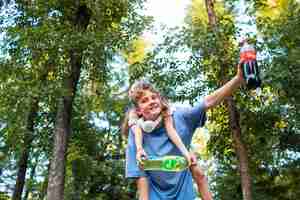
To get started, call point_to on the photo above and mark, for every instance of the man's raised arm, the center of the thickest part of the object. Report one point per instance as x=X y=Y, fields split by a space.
x=216 y=97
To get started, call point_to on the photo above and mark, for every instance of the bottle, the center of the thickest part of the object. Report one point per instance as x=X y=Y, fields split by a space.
x=249 y=65
x=165 y=163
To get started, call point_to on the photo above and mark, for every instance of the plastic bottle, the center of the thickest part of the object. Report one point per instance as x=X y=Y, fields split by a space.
x=165 y=163
x=249 y=65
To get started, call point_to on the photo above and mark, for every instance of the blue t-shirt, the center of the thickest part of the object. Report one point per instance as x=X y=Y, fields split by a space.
x=167 y=185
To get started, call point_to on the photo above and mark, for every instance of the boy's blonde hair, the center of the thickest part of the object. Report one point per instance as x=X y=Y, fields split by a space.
x=135 y=93
x=137 y=90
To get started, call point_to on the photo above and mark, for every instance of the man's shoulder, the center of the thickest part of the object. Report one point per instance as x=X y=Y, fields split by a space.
x=178 y=109
x=179 y=106
x=188 y=109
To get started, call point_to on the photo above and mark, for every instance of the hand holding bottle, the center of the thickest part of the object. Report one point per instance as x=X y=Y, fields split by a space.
x=249 y=65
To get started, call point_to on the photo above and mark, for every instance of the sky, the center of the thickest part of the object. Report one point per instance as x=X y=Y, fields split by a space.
x=165 y=12
x=170 y=12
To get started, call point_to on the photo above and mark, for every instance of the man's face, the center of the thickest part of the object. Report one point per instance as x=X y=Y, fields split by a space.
x=149 y=105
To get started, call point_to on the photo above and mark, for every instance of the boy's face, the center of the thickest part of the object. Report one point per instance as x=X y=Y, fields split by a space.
x=149 y=105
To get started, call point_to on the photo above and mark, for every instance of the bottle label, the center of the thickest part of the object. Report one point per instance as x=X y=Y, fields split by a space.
x=165 y=163
x=169 y=164
x=247 y=55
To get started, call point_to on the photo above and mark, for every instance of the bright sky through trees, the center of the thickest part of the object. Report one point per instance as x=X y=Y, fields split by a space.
x=170 y=12
x=167 y=12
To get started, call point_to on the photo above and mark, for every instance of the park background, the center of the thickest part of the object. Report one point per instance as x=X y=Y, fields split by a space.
x=66 y=66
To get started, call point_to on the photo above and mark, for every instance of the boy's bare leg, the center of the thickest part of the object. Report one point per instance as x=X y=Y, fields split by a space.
x=201 y=182
x=143 y=188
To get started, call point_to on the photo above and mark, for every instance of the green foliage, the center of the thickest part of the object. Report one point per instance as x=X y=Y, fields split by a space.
x=263 y=119
x=38 y=44
x=281 y=41
x=4 y=196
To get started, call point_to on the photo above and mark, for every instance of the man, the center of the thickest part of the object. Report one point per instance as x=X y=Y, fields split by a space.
x=156 y=185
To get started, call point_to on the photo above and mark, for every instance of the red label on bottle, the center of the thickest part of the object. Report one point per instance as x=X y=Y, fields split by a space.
x=247 y=55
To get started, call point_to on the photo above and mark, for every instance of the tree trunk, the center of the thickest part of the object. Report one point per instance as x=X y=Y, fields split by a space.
x=240 y=149
x=29 y=186
x=239 y=146
x=22 y=164
x=29 y=136
x=55 y=190
x=62 y=130
x=43 y=191
x=212 y=18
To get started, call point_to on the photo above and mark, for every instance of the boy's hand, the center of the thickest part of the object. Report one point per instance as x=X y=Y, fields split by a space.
x=193 y=159
x=189 y=157
x=140 y=155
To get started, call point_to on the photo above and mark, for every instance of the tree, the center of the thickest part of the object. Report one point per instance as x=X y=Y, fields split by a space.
x=222 y=54
x=97 y=28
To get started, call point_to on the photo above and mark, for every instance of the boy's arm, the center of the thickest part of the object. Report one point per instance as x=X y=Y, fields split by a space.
x=138 y=136
x=226 y=90
x=174 y=137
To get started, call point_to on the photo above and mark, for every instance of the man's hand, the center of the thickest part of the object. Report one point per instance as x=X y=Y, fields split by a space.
x=239 y=73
